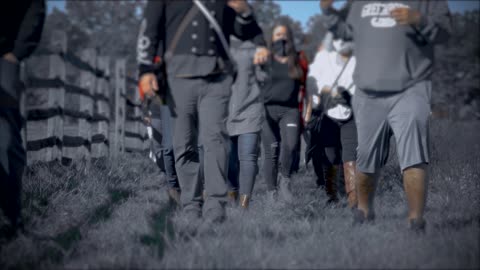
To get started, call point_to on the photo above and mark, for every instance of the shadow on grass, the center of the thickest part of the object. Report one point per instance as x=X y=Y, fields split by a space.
x=162 y=229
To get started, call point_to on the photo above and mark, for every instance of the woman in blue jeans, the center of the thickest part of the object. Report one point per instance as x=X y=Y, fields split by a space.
x=244 y=124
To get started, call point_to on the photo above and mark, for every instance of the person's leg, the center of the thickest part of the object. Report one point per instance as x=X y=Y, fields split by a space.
x=233 y=169
x=409 y=119
x=270 y=141
x=348 y=136
x=331 y=158
x=183 y=106
x=248 y=156
x=213 y=110
x=12 y=165
x=373 y=141
x=290 y=131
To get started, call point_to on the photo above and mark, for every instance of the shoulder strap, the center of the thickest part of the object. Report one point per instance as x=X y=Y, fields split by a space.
x=181 y=28
x=340 y=74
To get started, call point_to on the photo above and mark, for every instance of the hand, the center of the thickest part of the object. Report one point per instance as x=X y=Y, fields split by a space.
x=10 y=57
x=240 y=6
x=261 y=56
x=405 y=16
x=326 y=90
x=326 y=4
x=148 y=84
x=307 y=117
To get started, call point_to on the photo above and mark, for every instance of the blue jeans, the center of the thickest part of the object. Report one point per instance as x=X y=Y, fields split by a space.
x=243 y=167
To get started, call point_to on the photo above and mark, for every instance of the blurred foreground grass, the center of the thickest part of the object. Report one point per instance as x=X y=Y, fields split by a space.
x=117 y=216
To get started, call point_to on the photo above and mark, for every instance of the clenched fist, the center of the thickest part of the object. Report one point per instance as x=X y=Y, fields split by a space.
x=148 y=84
x=326 y=4
x=405 y=16
x=240 y=6
x=261 y=56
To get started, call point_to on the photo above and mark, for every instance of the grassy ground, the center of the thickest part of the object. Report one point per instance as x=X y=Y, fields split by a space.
x=117 y=216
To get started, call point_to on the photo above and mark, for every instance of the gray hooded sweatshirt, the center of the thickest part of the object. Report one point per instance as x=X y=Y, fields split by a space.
x=391 y=57
x=246 y=111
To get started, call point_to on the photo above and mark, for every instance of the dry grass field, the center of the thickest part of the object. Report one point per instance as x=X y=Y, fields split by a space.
x=117 y=216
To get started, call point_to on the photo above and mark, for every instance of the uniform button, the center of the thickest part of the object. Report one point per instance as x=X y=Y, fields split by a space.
x=212 y=38
x=212 y=1
x=194 y=50
x=211 y=26
x=194 y=23
x=212 y=12
x=211 y=52
x=194 y=36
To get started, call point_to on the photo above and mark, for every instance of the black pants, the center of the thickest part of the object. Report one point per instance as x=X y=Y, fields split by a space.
x=12 y=152
x=280 y=132
x=163 y=144
x=334 y=142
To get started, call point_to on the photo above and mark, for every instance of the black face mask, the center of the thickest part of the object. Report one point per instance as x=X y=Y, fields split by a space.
x=279 y=47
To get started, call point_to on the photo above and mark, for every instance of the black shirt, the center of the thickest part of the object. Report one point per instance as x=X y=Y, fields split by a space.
x=279 y=88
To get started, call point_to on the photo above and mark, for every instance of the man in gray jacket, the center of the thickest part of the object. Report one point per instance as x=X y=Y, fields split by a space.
x=394 y=46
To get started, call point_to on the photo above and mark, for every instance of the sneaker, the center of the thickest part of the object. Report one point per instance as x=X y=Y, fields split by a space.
x=284 y=188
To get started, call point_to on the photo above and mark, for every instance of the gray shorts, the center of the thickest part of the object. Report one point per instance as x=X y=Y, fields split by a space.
x=406 y=113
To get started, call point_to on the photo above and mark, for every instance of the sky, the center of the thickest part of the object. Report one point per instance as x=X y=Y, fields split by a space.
x=302 y=10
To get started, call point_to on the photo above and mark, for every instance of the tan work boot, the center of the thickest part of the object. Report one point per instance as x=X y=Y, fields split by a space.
x=174 y=197
x=349 y=174
x=232 y=197
x=244 y=201
x=331 y=184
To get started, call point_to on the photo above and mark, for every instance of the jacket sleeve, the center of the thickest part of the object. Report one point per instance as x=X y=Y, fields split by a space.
x=151 y=34
x=30 y=31
x=436 y=25
x=245 y=27
x=337 y=22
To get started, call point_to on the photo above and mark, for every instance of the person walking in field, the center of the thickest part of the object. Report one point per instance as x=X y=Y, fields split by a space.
x=21 y=26
x=281 y=129
x=394 y=46
x=245 y=120
x=330 y=119
x=199 y=72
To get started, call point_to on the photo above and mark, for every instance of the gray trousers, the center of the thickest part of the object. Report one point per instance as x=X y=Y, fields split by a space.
x=199 y=109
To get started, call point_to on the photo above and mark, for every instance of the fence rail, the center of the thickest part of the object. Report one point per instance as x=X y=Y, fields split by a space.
x=77 y=108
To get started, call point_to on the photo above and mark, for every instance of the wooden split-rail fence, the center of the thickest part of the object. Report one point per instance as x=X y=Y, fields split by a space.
x=79 y=106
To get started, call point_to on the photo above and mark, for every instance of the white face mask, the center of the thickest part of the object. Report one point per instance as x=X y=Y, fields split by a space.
x=342 y=47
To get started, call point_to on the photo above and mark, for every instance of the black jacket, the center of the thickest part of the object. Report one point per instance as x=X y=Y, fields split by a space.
x=162 y=19
x=21 y=24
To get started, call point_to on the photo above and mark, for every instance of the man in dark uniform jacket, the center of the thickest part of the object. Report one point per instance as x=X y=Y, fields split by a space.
x=21 y=26
x=200 y=90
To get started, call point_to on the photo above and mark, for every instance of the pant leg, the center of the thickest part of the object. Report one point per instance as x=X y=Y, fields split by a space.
x=270 y=140
x=167 y=147
x=409 y=119
x=183 y=105
x=248 y=147
x=12 y=163
x=213 y=112
x=233 y=165
x=290 y=131
x=348 y=138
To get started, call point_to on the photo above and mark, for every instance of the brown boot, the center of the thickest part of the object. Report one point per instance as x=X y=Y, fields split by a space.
x=232 y=197
x=331 y=184
x=349 y=174
x=174 y=197
x=244 y=201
